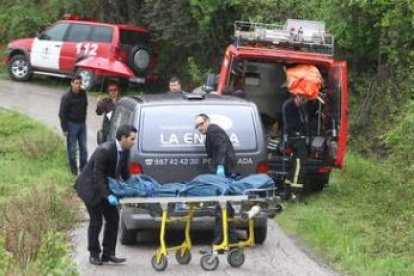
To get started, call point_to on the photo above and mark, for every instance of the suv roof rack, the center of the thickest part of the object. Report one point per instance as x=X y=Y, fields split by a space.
x=295 y=34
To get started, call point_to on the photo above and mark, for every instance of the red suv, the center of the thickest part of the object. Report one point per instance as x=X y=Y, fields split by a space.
x=57 y=51
x=254 y=66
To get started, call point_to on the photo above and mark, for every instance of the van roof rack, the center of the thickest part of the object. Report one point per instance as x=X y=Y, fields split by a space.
x=295 y=34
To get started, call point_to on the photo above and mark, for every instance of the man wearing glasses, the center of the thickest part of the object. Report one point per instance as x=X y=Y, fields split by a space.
x=223 y=162
x=218 y=146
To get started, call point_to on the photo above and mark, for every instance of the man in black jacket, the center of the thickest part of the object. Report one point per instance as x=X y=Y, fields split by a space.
x=223 y=162
x=109 y=160
x=105 y=106
x=218 y=146
x=72 y=114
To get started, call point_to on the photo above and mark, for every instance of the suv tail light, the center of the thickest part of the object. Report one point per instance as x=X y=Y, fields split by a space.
x=262 y=167
x=135 y=168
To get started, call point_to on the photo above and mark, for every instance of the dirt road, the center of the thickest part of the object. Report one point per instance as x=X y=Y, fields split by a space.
x=278 y=256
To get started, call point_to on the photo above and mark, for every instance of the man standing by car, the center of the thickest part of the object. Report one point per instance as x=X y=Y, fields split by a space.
x=218 y=146
x=223 y=162
x=72 y=114
x=174 y=86
x=109 y=160
x=105 y=106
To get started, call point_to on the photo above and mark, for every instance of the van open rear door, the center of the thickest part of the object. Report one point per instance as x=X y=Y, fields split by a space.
x=338 y=109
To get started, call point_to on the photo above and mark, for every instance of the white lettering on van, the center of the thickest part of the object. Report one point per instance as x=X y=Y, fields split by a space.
x=245 y=161
x=170 y=140
x=193 y=138
x=234 y=140
x=190 y=138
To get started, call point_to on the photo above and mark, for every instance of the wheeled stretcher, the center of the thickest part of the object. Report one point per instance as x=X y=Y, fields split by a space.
x=250 y=206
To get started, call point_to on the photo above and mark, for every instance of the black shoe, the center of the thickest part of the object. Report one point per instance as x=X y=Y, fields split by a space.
x=95 y=260
x=113 y=259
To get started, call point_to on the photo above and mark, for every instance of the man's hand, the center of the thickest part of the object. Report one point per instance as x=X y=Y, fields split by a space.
x=220 y=171
x=65 y=133
x=113 y=200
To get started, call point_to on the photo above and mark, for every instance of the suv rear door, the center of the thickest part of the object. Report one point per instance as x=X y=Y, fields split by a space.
x=84 y=40
x=170 y=149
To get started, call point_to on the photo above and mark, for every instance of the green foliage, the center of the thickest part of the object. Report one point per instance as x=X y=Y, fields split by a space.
x=362 y=222
x=25 y=21
x=6 y=257
x=40 y=145
x=28 y=153
x=194 y=70
x=36 y=199
x=52 y=257
x=400 y=138
x=21 y=18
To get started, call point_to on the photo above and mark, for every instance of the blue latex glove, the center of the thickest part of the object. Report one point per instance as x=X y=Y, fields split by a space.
x=220 y=171
x=113 y=200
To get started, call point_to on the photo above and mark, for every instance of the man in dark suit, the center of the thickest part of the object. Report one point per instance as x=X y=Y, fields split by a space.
x=218 y=146
x=109 y=160
x=223 y=162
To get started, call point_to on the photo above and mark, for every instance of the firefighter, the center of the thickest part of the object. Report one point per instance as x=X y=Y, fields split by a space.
x=295 y=121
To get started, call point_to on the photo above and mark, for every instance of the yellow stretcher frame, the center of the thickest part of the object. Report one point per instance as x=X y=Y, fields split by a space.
x=209 y=260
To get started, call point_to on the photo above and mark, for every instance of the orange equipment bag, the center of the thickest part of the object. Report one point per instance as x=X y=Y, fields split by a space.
x=304 y=80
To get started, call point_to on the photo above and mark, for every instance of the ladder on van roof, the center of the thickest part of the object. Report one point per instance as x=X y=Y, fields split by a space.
x=295 y=34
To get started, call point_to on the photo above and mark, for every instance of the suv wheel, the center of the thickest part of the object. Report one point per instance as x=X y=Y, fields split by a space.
x=260 y=230
x=139 y=59
x=88 y=78
x=19 y=68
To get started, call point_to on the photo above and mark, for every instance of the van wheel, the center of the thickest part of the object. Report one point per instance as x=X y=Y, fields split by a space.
x=88 y=78
x=260 y=231
x=127 y=237
x=19 y=68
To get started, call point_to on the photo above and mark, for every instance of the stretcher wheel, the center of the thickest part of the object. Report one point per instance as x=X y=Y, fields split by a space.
x=235 y=257
x=161 y=265
x=183 y=259
x=209 y=262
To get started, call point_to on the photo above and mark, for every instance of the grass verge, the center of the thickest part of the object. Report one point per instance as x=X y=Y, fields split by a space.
x=37 y=201
x=362 y=223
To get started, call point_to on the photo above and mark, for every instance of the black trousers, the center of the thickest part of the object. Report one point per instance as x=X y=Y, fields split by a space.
x=111 y=215
x=300 y=151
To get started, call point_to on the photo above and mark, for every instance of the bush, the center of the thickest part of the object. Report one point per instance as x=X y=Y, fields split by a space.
x=400 y=138
x=52 y=257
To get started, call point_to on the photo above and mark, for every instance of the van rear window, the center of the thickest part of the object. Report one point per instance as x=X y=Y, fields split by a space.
x=170 y=129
